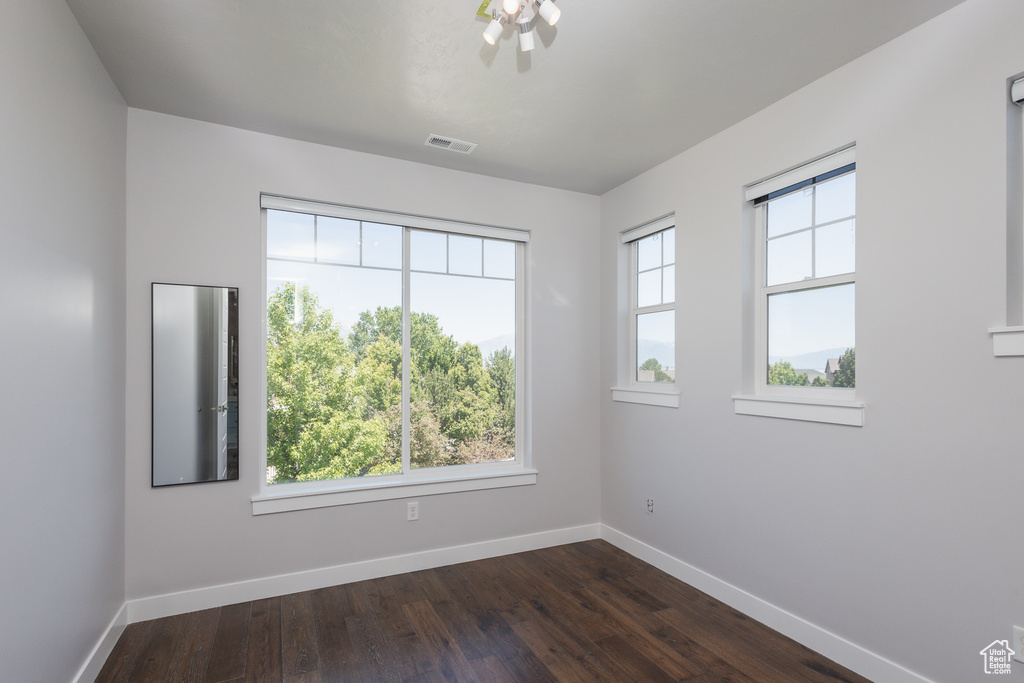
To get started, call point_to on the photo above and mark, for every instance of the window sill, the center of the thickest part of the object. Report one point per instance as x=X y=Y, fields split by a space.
x=369 y=490
x=1007 y=341
x=666 y=398
x=849 y=413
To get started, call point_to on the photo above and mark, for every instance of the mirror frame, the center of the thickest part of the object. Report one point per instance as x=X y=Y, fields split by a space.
x=230 y=390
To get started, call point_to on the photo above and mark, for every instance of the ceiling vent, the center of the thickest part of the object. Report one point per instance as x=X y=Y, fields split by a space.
x=450 y=144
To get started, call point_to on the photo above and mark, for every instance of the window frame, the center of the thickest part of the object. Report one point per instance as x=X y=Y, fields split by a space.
x=836 y=405
x=411 y=482
x=1008 y=339
x=629 y=388
x=764 y=291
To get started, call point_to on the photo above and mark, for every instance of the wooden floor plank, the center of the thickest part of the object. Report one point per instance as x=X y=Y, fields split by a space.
x=230 y=648
x=299 y=652
x=448 y=659
x=411 y=654
x=371 y=650
x=333 y=641
x=122 y=659
x=263 y=664
x=159 y=649
x=192 y=654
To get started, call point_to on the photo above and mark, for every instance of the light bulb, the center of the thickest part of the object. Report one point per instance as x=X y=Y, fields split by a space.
x=493 y=30
x=548 y=11
x=510 y=6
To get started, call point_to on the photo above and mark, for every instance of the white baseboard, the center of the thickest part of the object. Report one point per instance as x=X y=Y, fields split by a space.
x=143 y=609
x=854 y=657
x=94 y=663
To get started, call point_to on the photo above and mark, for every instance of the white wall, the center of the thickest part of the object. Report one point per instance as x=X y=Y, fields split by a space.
x=903 y=536
x=194 y=217
x=62 y=189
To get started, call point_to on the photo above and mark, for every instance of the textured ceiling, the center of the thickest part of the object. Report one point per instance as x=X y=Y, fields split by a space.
x=611 y=91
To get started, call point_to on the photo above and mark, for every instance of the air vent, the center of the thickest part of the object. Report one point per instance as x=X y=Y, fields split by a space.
x=450 y=144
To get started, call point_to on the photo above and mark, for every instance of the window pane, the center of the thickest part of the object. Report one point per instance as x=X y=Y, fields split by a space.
x=289 y=235
x=648 y=254
x=836 y=199
x=789 y=258
x=499 y=259
x=382 y=245
x=835 y=249
x=463 y=370
x=656 y=347
x=465 y=255
x=669 y=248
x=648 y=288
x=809 y=334
x=790 y=212
x=669 y=285
x=428 y=251
x=337 y=240
x=334 y=371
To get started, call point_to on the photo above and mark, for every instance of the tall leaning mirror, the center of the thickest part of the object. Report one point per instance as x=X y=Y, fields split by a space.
x=195 y=384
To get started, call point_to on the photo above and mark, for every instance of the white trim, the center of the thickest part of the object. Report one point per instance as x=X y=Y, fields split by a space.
x=98 y=657
x=650 y=397
x=850 y=413
x=811 y=169
x=855 y=657
x=156 y=607
x=649 y=228
x=357 y=213
x=1007 y=341
x=1017 y=91
x=283 y=498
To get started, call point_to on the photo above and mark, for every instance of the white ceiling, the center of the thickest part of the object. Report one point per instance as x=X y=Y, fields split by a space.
x=611 y=91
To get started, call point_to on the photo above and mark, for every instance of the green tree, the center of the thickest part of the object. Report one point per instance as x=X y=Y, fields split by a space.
x=782 y=372
x=846 y=375
x=501 y=366
x=319 y=425
x=659 y=374
x=819 y=381
x=455 y=408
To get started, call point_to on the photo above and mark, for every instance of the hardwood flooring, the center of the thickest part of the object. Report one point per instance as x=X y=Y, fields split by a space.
x=580 y=612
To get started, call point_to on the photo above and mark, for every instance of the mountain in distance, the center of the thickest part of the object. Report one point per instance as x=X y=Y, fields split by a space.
x=815 y=360
x=649 y=348
x=489 y=346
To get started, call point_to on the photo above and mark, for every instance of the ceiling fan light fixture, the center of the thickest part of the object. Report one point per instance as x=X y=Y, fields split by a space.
x=525 y=36
x=493 y=30
x=548 y=11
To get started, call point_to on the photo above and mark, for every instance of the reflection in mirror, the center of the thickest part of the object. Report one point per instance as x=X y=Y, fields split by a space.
x=195 y=384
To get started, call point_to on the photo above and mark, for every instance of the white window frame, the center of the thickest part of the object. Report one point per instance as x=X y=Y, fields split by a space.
x=629 y=388
x=273 y=498
x=836 y=405
x=1008 y=340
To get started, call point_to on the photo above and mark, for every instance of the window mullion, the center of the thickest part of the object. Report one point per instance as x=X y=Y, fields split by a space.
x=406 y=353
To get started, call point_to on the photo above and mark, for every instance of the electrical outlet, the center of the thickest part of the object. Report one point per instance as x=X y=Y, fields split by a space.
x=412 y=512
x=1017 y=644
x=650 y=506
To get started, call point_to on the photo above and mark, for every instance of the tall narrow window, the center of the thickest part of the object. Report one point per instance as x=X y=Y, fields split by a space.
x=652 y=306
x=391 y=349
x=806 y=281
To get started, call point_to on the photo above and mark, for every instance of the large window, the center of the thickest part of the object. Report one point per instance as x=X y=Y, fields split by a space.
x=806 y=282
x=393 y=349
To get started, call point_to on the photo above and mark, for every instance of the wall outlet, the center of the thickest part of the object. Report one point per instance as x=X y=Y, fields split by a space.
x=650 y=506
x=1017 y=644
x=412 y=512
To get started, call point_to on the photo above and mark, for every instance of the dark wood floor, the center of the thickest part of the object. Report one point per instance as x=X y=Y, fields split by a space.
x=580 y=612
